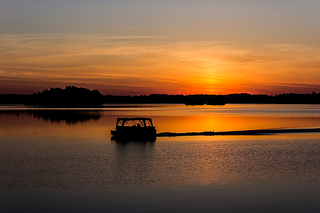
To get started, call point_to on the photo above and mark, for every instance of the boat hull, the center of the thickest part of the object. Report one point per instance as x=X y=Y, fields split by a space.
x=134 y=133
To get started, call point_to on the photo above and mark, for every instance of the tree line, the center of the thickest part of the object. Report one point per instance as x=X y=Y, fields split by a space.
x=72 y=95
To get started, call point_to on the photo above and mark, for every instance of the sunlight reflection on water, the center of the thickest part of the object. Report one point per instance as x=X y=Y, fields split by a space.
x=56 y=161
x=74 y=163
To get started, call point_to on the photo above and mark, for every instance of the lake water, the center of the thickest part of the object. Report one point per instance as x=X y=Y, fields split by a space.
x=63 y=160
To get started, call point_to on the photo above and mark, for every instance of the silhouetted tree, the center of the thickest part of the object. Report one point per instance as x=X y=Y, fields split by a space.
x=71 y=95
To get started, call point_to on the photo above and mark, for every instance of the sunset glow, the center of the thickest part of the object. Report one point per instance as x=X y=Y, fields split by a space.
x=266 y=48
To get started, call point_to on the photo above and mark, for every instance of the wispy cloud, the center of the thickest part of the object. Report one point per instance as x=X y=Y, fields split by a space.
x=156 y=64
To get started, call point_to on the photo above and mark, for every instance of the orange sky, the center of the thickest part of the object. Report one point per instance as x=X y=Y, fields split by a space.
x=120 y=48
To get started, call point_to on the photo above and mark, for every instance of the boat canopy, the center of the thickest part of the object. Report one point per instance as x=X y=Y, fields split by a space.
x=130 y=122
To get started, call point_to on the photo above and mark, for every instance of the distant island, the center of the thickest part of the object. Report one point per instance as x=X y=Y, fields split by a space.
x=75 y=96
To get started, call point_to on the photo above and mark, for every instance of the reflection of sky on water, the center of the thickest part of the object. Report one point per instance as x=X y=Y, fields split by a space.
x=57 y=167
x=253 y=110
x=166 y=118
x=80 y=163
x=256 y=110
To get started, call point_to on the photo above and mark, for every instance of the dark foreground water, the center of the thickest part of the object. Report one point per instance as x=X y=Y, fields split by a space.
x=65 y=161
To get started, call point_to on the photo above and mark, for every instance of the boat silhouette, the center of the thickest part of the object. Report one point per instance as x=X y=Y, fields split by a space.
x=134 y=128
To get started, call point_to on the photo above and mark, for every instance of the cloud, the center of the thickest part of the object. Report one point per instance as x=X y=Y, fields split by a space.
x=152 y=64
